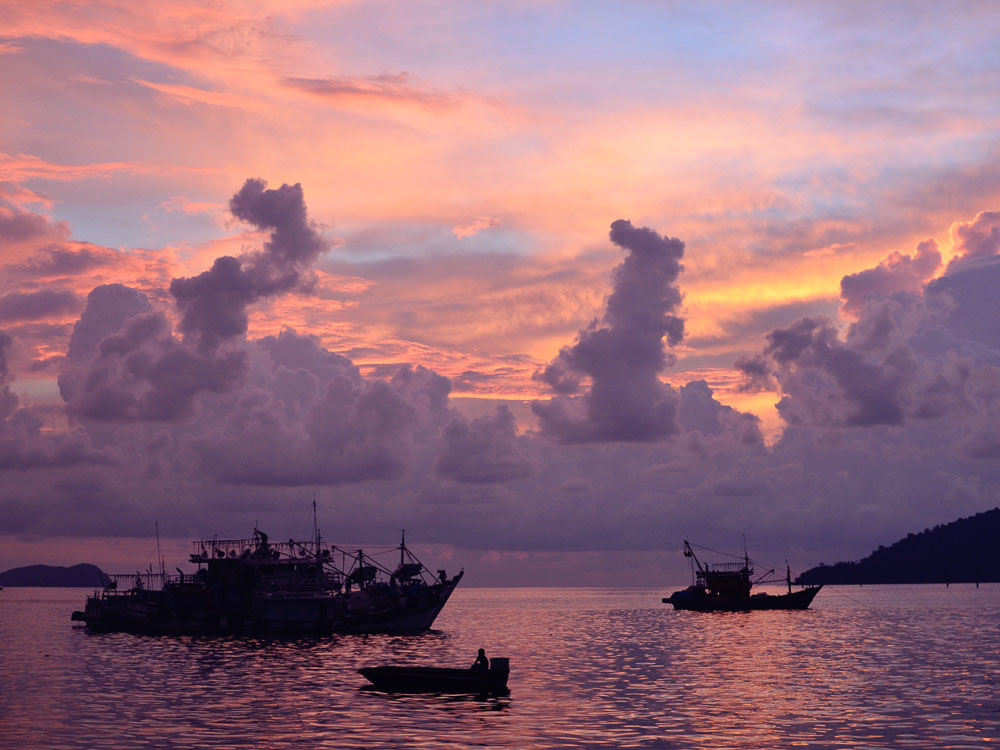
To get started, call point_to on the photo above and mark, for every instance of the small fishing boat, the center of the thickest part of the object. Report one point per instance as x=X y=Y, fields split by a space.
x=726 y=587
x=399 y=679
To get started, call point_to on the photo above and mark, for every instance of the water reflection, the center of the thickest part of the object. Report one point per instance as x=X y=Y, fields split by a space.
x=889 y=667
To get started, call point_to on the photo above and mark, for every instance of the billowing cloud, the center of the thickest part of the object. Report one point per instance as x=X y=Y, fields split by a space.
x=623 y=354
x=897 y=273
x=23 y=445
x=486 y=449
x=979 y=238
x=200 y=425
x=214 y=303
x=917 y=351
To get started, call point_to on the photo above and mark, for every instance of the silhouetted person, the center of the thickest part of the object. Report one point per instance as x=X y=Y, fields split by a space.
x=482 y=664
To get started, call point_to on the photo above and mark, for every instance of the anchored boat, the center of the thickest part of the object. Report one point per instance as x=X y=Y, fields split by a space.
x=256 y=585
x=726 y=587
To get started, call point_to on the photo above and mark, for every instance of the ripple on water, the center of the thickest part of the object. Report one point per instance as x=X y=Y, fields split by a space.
x=890 y=667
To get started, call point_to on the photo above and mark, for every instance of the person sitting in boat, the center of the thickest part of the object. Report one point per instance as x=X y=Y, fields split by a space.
x=481 y=664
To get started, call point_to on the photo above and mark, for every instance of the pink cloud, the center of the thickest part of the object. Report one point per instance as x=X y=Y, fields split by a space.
x=475 y=226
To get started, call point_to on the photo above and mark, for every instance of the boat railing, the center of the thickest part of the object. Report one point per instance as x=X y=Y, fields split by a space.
x=726 y=567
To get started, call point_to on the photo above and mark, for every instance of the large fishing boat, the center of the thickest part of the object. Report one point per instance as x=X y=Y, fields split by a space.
x=256 y=585
x=726 y=587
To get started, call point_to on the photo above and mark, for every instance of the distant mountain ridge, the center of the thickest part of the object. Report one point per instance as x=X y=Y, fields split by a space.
x=966 y=550
x=80 y=575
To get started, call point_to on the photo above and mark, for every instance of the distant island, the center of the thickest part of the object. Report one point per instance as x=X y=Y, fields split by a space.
x=963 y=551
x=80 y=575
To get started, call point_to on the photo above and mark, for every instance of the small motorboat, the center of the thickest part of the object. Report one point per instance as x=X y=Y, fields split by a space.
x=398 y=679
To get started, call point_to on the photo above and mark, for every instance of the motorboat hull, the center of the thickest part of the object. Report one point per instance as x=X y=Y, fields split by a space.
x=398 y=679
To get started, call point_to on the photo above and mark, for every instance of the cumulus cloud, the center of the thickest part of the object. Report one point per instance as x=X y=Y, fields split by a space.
x=214 y=303
x=124 y=364
x=890 y=417
x=23 y=445
x=897 y=273
x=915 y=350
x=486 y=449
x=979 y=238
x=622 y=354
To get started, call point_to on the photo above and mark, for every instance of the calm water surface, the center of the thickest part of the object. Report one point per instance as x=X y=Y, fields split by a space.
x=904 y=666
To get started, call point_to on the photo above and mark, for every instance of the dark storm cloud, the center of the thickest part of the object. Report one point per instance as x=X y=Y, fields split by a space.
x=214 y=303
x=35 y=305
x=623 y=354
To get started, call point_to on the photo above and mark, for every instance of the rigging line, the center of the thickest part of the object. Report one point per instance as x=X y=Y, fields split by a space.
x=715 y=551
x=835 y=590
x=754 y=560
x=295 y=525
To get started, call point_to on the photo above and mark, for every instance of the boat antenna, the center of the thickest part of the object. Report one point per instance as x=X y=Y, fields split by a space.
x=156 y=525
x=315 y=526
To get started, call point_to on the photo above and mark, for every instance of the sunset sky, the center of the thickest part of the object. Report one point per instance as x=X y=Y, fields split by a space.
x=552 y=285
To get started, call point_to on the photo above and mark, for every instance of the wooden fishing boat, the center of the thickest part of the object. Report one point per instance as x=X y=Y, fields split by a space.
x=726 y=587
x=402 y=679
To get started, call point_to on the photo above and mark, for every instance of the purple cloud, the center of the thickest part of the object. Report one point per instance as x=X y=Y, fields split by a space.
x=214 y=303
x=914 y=352
x=979 y=238
x=60 y=261
x=35 y=305
x=623 y=354
x=486 y=449
x=308 y=417
x=897 y=273
x=17 y=226
x=123 y=363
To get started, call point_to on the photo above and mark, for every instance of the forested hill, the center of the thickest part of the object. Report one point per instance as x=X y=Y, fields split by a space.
x=965 y=550
x=50 y=575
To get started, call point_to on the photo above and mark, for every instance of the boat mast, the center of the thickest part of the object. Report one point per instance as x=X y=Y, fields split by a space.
x=402 y=546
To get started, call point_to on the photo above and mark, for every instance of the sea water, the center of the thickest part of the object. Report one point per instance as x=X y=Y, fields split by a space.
x=878 y=666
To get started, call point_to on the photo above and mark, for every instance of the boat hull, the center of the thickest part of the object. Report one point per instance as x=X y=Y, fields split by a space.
x=167 y=613
x=436 y=679
x=695 y=600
